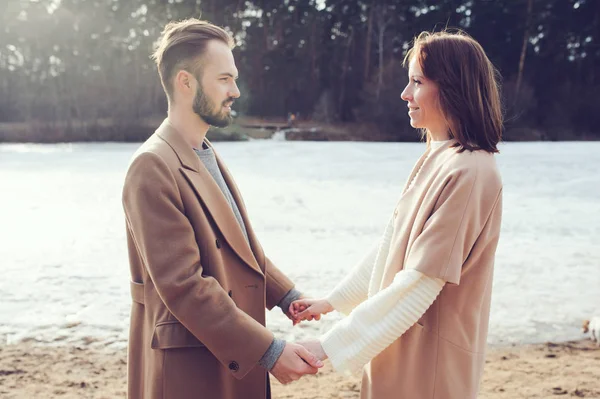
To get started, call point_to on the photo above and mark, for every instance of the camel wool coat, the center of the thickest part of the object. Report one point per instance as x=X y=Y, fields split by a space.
x=447 y=226
x=199 y=289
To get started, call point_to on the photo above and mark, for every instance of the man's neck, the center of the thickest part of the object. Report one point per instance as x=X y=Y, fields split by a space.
x=189 y=125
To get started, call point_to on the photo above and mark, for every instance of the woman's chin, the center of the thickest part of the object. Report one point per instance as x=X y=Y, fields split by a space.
x=415 y=124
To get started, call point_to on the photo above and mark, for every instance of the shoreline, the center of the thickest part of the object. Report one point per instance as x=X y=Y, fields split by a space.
x=544 y=370
x=245 y=128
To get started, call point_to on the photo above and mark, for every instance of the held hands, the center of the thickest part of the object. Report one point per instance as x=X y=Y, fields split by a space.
x=295 y=362
x=314 y=346
x=309 y=309
x=307 y=357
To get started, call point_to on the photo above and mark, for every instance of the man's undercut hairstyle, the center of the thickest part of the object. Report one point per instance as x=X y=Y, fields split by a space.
x=181 y=46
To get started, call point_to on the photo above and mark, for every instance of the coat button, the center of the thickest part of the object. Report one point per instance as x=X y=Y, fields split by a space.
x=218 y=243
x=233 y=366
x=396 y=213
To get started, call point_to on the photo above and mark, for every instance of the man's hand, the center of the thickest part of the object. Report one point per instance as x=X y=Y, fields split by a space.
x=288 y=312
x=295 y=361
x=314 y=346
x=309 y=309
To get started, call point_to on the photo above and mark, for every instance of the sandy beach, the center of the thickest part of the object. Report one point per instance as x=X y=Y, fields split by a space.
x=570 y=369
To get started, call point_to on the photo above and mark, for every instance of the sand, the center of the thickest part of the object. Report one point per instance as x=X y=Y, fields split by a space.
x=570 y=369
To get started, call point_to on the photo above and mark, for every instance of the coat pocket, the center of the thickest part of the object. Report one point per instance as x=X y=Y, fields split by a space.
x=172 y=335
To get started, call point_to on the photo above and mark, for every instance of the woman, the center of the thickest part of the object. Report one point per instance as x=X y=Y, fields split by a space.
x=418 y=304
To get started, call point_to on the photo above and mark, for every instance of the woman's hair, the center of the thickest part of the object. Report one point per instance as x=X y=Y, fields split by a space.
x=181 y=45
x=468 y=87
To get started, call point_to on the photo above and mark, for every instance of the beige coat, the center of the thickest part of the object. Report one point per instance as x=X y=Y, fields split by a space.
x=199 y=290
x=446 y=226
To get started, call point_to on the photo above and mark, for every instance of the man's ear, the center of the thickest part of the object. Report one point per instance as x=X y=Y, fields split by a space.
x=183 y=78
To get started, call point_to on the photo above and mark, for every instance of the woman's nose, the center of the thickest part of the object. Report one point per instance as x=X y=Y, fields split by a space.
x=405 y=94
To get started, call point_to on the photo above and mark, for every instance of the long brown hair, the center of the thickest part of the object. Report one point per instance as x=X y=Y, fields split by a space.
x=469 y=87
x=180 y=47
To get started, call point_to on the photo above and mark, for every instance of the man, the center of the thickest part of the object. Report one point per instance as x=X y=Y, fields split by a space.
x=200 y=279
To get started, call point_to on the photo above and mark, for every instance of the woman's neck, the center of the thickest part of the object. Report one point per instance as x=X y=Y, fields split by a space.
x=439 y=135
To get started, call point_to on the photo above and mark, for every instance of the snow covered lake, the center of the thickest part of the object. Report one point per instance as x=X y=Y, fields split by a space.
x=64 y=275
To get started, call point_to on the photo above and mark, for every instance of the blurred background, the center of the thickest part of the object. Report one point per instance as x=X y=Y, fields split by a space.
x=79 y=70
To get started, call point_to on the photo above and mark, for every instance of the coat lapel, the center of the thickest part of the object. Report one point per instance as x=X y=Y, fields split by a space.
x=210 y=194
x=424 y=164
x=237 y=197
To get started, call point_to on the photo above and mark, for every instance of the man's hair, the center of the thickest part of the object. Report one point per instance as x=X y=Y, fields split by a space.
x=181 y=46
x=469 y=88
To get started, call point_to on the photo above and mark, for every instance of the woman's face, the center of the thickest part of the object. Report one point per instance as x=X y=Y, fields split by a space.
x=422 y=96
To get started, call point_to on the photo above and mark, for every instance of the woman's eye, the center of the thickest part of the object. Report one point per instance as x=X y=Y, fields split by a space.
x=417 y=81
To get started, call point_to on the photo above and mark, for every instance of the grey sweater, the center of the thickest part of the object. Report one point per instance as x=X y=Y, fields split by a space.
x=208 y=158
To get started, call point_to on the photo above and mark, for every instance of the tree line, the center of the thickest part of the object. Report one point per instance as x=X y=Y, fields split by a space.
x=84 y=66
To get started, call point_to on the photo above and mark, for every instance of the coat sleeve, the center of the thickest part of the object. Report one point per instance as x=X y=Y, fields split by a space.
x=278 y=284
x=464 y=206
x=165 y=240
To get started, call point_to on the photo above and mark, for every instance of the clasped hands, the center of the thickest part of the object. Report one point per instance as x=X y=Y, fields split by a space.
x=299 y=359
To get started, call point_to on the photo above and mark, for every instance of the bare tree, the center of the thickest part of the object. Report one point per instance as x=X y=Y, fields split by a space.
x=382 y=21
x=524 y=48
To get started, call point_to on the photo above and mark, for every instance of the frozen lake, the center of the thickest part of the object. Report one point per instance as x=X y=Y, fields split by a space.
x=315 y=206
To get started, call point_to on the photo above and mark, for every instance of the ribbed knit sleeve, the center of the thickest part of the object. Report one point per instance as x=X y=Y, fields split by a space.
x=379 y=321
x=353 y=289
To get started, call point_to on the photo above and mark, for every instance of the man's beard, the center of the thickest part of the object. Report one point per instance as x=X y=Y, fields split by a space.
x=206 y=110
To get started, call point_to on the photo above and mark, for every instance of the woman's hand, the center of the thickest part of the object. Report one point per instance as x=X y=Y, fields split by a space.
x=309 y=309
x=315 y=347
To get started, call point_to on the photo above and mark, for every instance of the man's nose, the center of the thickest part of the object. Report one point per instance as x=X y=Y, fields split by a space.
x=235 y=93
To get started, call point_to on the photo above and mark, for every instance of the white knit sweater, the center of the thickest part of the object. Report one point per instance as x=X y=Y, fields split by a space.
x=376 y=317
